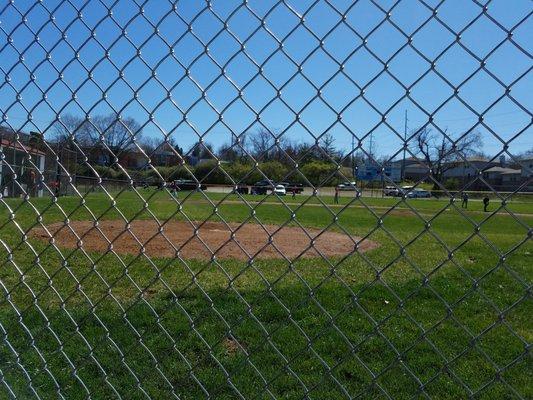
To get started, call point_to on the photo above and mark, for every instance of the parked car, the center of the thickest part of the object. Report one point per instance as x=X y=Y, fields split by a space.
x=347 y=186
x=280 y=190
x=261 y=187
x=422 y=193
x=417 y=193
x=241 y=189
x=391 y=191
x=405 y=191
x=186 y=184
x=293 y=187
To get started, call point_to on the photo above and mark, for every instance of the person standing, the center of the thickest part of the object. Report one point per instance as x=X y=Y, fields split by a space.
x=336 y=197
x=32 y=183
x=7 y=184
x=55 y=186
x=486 y=201
x=464 y=203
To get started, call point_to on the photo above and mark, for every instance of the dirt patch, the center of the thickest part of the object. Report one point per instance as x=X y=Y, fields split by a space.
x=269 y=241
x=231 y=346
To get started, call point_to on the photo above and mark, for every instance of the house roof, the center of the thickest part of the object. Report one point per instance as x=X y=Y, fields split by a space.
x=18 y=140
x=502 y=170
x=409 y=160
x=479 y=159
x=16 y=145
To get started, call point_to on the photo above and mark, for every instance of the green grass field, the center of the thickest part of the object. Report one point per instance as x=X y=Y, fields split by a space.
x=440 y=309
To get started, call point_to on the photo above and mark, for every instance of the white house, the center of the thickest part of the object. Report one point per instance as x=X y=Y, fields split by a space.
x=465 y=170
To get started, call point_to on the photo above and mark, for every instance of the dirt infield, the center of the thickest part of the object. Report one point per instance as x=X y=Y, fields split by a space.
x=177 y=235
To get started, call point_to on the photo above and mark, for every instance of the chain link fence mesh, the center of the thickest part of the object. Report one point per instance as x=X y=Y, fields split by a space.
x=223 y=199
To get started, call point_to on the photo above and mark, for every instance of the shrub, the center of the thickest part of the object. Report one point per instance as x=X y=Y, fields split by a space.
x=210 y=172
x=274 y=170
x=243 y=173
x=317 y=171
x=452 y=184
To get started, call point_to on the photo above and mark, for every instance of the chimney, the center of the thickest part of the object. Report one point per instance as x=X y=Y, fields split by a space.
x=502 y=161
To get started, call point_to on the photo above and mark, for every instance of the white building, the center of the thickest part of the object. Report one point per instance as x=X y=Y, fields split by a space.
x=468 y=169
x=21 y=169
x=527 y=167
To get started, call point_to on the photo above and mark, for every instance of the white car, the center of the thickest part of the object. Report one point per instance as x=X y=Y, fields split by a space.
x=280 y=190
x=391 y=191
x=347 y=186
x=422 y=193
x=417 y=193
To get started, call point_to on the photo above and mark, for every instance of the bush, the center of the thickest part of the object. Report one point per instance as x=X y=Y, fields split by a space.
x=105 y=172
x=317 y=171
x=210 y=172
x=452 y=184
x=169 y=173
x=243 y=173
x=274 y=170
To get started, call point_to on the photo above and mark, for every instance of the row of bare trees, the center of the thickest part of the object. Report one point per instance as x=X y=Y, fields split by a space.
x=433 y=148
x=110 y=131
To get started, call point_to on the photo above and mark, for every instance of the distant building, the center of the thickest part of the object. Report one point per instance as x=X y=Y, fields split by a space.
x=22 y=169
x=415 y=169
x=133 y=160
x=195 y=161
x=526 y=165
x=372 y=171
x=165 y=156
x=466 y=170
x=495 y=175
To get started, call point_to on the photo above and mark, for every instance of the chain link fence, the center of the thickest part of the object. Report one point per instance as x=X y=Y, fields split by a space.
x=266 y=199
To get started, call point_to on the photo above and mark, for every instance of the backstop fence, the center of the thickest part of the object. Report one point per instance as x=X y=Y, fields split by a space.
x=385 y=251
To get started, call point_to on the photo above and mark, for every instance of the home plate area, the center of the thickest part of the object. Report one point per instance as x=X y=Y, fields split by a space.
x=164 y=240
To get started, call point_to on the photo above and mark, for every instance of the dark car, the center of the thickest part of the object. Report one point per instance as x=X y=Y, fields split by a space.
x=262 y=187
x=241 y=189
x=186 y=184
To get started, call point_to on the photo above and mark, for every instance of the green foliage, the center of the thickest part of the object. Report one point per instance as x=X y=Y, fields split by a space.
x=243 y=173
x=169 y=173
x=274 y=170
x=105 y=172
x=210 y=172
x=317 y=171
x=452 y=184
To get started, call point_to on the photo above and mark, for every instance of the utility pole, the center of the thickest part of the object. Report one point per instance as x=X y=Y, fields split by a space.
x=353 y=156
x=402 y=174
x=370 y=146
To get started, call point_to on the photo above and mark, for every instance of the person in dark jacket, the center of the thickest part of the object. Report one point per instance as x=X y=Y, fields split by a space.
x=464 y=203
x=486 y=201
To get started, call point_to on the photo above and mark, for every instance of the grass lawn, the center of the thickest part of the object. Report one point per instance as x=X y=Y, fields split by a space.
x=440 y=309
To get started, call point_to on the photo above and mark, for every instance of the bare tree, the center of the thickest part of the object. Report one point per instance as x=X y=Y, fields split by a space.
x=201 y=150
x=117 y=134
x=525 y=154
x=263 y=145
x=234 y=151
x=327 y=144
x=72 y=128
x=439 y=153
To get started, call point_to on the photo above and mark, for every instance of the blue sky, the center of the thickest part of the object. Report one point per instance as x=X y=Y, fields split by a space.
x=355 y=45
